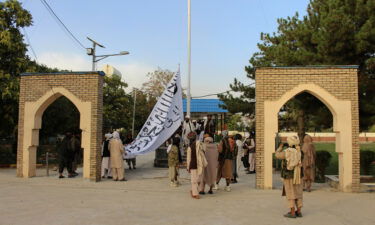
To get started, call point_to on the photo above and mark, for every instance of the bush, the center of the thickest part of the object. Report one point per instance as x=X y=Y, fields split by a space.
x=367 y=157
x=7 y=156
x=322 y=161
x=372 y=171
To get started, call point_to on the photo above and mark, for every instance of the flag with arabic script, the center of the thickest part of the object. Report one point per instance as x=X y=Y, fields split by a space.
x=165 y=118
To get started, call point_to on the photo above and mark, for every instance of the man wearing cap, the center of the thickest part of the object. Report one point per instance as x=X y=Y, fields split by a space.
x=195 y=163
x=291 y=174
x=226 y=155
x=187 y=127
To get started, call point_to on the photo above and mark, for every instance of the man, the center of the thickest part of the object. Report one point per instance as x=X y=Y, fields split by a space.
x=252 y=155
x=210 y=172
x=209 y=126
x=226 y=155
x=116 y=150
x=76 y=154
x=106 y=163
x=291 y=175
x=65 y=156
x=131 y=160
x=195 y=164
x=187 y=127
x=308 y=162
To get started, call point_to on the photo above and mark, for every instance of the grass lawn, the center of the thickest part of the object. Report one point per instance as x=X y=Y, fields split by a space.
x=332 y=169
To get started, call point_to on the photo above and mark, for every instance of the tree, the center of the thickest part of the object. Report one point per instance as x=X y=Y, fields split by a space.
x=116 y=104
x=13 y=61
x=244 y=103
x=334 y=32
x=157 y=81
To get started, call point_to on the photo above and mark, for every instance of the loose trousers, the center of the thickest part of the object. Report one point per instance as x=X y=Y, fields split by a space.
x=118 y=173
x=195 y=181
x=252 y=161
x=106 y=165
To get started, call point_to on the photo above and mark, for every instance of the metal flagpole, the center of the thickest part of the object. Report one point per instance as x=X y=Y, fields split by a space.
x=189 y=62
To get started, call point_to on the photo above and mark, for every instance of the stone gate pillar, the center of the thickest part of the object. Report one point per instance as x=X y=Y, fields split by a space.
x=37 y=92
x=336 y=87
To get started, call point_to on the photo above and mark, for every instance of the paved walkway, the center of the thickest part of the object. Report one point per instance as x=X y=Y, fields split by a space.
x=147 y=199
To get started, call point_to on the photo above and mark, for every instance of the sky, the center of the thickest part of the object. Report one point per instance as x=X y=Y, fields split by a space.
x=224 y=35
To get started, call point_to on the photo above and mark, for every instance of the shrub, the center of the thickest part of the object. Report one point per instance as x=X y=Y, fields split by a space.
x=367 y=157
x=7 y=156
x=322 y=161
x=372 y=171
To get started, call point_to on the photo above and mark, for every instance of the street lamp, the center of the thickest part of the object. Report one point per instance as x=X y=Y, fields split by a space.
x=97 y=58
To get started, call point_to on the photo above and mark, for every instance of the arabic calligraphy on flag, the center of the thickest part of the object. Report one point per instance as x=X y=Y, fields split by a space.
x=164 y=120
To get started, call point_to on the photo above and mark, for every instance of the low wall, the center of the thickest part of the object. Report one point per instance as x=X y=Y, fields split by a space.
x=329 y=137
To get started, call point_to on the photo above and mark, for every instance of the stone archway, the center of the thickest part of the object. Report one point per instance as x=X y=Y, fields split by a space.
x=336 y=87
x=37 y=92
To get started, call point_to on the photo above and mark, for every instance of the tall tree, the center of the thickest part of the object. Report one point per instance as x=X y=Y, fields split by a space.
x=334 y=32
x=157 y=80
x=13 y=61
x=116 y=104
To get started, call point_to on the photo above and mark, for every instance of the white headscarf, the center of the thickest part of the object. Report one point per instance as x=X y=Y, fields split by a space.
x=108 y=136
x=115 y=135
x=247 y=134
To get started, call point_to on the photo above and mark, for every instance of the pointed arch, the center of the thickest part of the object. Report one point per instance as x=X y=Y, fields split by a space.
x=35 y=110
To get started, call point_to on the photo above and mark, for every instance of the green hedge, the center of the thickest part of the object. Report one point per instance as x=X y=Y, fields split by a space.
x=323 y=159
x=7 y=156
x=366 y=158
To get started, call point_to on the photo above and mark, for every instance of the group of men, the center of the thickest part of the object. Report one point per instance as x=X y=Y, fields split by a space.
x=113 y=155
x=209 y=162
x=70 y=154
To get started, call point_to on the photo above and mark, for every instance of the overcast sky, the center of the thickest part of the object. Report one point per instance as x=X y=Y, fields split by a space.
x=225 y=34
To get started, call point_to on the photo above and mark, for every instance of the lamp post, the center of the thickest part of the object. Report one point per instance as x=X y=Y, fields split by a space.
x=97 y=58
x=135 y=100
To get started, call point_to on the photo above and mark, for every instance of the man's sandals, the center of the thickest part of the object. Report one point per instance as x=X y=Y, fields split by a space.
x=289 y=215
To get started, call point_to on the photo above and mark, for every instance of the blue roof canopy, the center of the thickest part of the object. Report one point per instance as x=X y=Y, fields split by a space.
x=205 y=106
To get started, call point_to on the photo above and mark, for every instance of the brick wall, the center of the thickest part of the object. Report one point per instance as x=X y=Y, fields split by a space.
x=86 y=86
x=273 y=82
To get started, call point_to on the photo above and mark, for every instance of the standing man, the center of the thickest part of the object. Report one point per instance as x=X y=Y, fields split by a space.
x=209 y=126
x=187 y=127
x=252 y=156
x=65 y=156
x=195 y=164
x=226 y=156
x=131 y=160
x=106 y=163
x=210 y=171
x=116 y=150
x=76 y=151
x=308 y=162
x=291 y=174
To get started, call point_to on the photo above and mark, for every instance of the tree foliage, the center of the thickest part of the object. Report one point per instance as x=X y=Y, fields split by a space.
x=13 y=62
x=334 y=32
x=116 y=104
x=157 y=81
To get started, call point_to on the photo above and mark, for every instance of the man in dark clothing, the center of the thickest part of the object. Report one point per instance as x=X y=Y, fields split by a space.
x=130 y=161
x=226 y=156
x=209 y=127
x=76 y=151
x=65 y=156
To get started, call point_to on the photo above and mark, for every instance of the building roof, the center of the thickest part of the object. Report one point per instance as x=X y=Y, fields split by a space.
x=205 y=106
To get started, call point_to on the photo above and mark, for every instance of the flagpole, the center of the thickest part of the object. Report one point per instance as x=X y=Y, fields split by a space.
x=189 y=62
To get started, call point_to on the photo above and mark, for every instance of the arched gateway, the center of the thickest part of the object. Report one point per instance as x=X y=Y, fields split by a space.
x=37 y=92
x=336 y=87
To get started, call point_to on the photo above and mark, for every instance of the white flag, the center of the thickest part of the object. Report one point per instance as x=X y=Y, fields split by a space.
x=166 y=117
